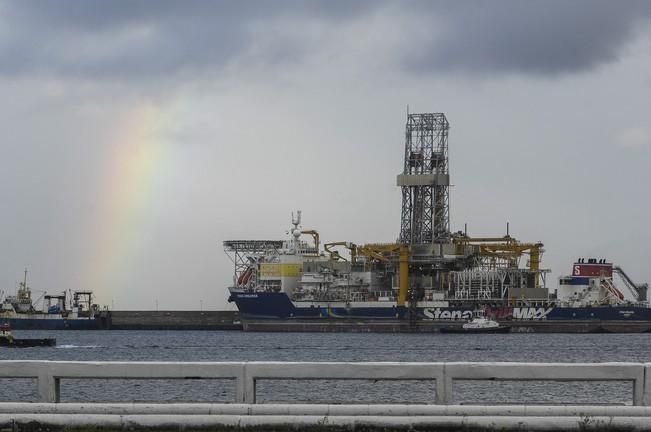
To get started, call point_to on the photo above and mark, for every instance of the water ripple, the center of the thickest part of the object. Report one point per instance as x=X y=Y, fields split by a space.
x=239 y=346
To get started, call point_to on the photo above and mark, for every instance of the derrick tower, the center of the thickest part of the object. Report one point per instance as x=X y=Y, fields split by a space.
x=425 y=181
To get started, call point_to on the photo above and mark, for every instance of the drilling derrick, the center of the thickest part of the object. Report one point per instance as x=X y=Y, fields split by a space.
x=425 y=181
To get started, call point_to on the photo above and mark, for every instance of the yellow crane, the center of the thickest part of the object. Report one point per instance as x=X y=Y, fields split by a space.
x=506 y=248
x=383 y=252
x=335 y=255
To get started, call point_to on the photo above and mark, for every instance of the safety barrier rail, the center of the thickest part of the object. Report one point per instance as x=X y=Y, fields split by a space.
x=246 y=374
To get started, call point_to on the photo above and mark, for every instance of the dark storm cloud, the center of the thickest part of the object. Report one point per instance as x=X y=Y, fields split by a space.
x=141 y=38
x=144 y=39
x=533 y=37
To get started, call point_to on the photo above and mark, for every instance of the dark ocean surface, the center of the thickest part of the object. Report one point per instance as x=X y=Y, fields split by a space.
x=239 y=346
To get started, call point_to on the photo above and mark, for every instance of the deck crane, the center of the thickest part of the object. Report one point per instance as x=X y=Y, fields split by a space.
x=387 y=252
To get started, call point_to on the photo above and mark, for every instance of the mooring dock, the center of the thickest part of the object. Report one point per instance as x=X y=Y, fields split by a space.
x=173 y=320
x=49 y=413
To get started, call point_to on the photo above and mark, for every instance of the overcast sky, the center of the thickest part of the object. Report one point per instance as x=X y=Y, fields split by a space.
x=137 y=136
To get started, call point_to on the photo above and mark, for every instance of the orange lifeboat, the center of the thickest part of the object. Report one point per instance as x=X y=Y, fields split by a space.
x=245 y=277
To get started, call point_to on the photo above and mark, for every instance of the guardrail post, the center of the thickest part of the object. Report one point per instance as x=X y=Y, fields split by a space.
x=239 y=386
x=443 y=388
x=646 y=387
x=245 y=386
x=49 y=388
x=638 y=389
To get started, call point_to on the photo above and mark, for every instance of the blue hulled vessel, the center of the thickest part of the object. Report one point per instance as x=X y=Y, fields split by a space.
x=57 y=312
x=297 y=280
x=430 y=273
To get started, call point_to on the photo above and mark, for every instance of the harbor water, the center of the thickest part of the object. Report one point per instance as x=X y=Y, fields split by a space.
x=240 y=346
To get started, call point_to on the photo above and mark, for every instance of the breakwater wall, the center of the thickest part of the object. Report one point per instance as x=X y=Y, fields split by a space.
x=173 y=320
x=229 y=320
x=422 y=326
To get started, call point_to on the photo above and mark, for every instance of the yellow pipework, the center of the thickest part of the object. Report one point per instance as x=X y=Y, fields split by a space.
x=506 y=248
x=534 y=256
x=371 y=253
x=385 y=252
x=465 y=239
x=378 y=251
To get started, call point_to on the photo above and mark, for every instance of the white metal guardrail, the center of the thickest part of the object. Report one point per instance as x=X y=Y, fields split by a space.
x=245 y=414
x=49 y=373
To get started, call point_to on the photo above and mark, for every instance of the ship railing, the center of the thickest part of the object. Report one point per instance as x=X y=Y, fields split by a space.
x=49 y=374
x=308 y=251
x=384 y=295
x=358 y=297
x=373 y=296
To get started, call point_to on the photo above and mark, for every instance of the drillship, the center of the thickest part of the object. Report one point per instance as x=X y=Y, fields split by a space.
x=57 y=312
x=430 y=274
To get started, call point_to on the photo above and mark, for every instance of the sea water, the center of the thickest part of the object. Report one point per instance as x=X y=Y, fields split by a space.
x=240 y=346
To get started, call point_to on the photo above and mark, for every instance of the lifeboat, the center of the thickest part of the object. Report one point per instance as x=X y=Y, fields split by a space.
x=245 y=277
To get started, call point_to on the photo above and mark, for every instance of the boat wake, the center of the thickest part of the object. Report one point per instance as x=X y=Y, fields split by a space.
x=77 y=346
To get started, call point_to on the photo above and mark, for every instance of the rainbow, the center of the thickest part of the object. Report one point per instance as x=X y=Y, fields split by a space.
x=135 y=160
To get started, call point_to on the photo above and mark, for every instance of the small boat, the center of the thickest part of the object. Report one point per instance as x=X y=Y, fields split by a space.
x=478 y=324
x=8 y=340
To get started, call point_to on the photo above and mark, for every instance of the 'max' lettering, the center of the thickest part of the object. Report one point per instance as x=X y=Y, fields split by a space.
x=530 y=312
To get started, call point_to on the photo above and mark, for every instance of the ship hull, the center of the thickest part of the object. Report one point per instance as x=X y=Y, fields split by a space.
x=460 y=330
x=278 y=306
x=26 y=343
x=46 y=323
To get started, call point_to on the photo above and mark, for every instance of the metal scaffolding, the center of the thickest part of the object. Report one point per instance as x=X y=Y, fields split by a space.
x=245 y=253
x=425 y=181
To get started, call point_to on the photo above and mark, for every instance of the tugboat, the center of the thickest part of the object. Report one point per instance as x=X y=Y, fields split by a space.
x=478 y=324
x=7 y=339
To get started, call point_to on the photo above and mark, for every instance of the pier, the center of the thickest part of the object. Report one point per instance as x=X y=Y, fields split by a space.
x=172 y=320
x=47 y=411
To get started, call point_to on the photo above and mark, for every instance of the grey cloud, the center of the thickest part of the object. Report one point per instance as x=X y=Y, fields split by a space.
x=148 y=40
x=532 y=37
x=118 y=38
x=140 y=39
